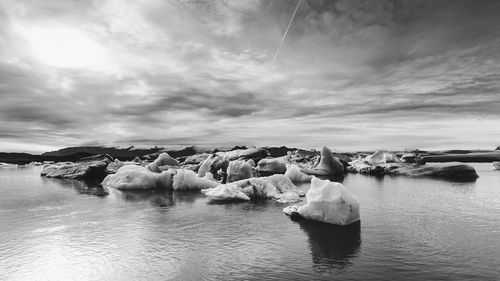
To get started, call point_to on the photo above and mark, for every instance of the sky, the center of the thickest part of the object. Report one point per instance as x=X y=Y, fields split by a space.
x=350 y=74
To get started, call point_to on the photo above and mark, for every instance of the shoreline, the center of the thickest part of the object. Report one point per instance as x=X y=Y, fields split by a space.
x=73 y=154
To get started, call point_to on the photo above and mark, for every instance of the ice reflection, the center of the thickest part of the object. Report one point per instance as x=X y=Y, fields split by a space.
x=332 y=247
x=86 y=187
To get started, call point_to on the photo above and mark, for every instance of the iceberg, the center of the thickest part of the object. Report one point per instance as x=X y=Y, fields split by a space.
x=8 y=165
x=328 y=165
x=328 y=202
x=385 y=163
x=255 y=153
x=134 y=177
x=289 y=197
x=271 y=166
x=471 y=157
x=196 y=159
x=448 y=171
x=92 y=167
x=294 y=173
x=117 y=164
x=213 y=164
x=380 y=162
x=225 y=192
x=163 y=160
x=277 y=187
x=251 y=162
x=205 y=165
x=188 y=180
x=409 y=157
x=238 y=170
x=496 y=165
x=382 y=157
x=282 y=183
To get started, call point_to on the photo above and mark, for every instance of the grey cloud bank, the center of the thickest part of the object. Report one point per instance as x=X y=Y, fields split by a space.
x=350 y=74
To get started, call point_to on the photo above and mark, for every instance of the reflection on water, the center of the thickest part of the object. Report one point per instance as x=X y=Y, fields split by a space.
x=339 y=178
x=159 y=198
x=86 y=187
x=332 y=247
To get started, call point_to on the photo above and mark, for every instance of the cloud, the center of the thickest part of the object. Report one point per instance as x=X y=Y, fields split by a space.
x=351 y=74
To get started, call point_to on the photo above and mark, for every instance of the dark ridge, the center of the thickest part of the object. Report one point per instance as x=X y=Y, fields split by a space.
x=279 y=151
x=73 y=154
x=465 y=158
x=120 y=153
x=187 y=151
x=25 y=158
x=238 y=147
x=19 y=158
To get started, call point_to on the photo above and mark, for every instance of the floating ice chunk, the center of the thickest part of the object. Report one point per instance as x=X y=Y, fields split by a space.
x=8 y=165
x=277 y=187
x=133 y=177
x=328 y=165
x=271 y=166
x=289 y=197
x=187 y=179
x=225 y=192
x=162 y=160
x=284 y=184
x=368 y=164
x=238 y=170
x=205 y=166
x=450 y=171
x=196 y=159
x=255 y=153
x=92 y=167
x=328 y=202
x=382 y=157
x=496 y=165
x=117 y=164
x=294 y=173
x=288 y=210
x=213 y=164
x=251 y=162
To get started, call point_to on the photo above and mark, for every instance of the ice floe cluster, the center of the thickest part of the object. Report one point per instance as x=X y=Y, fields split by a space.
x=252 y=174
x=386 y=163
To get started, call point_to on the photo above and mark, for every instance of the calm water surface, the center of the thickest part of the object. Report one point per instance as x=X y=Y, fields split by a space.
x=411 y=229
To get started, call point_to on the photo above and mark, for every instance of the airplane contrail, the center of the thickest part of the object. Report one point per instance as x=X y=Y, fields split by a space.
x=286 y=31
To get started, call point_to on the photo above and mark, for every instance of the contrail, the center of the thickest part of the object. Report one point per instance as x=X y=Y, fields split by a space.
x=286 y=31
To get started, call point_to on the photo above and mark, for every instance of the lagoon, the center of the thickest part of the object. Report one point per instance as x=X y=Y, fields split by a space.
x=411 y=229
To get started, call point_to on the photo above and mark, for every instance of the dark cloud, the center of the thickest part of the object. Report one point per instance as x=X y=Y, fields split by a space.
x=235 y=105
x=32 y=113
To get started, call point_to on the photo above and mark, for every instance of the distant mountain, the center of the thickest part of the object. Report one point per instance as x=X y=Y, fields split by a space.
x=279 y=151
x=73 y=154
x=25 y=158
x=120 y=153
x=18 y=158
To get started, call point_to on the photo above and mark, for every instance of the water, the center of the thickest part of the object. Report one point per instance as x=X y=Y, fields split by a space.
x=411 y=229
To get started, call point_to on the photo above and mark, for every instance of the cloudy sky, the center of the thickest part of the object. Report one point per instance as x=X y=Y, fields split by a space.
x=350 y=74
